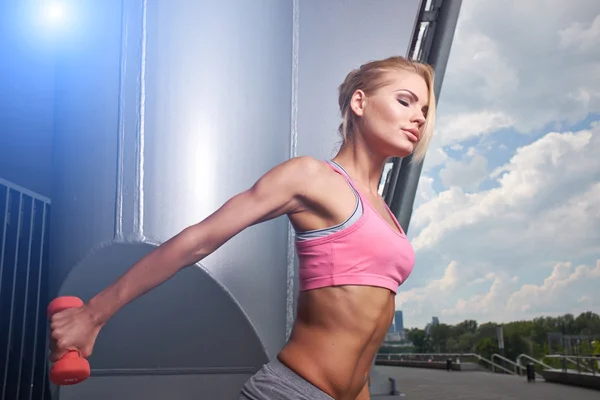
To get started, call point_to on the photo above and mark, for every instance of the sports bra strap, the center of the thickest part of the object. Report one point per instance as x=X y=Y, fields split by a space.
x=339 y=169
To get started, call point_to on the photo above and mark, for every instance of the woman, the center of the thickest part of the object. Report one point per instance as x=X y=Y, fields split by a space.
x=353 y=254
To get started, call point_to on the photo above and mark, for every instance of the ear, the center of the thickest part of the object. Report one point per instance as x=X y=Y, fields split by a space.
x=358 y=102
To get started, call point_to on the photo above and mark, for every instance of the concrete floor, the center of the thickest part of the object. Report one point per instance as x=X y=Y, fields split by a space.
x=425 y=384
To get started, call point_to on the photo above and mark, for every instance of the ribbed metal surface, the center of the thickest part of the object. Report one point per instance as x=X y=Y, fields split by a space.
x=23 y=293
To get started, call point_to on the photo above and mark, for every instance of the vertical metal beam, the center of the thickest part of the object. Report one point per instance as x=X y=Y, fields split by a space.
x=129 y=209
x=291 y=249
x=38 y=301
x=4 y=227
x=12 y=299
x=26 y=298
x=403 y=197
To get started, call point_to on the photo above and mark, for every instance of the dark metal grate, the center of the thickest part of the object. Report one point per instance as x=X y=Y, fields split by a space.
x=23 y=293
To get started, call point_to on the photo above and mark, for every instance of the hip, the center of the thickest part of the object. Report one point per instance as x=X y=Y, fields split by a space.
x=275 y=381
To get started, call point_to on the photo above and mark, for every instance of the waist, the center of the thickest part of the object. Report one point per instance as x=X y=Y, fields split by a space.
x=336 y=336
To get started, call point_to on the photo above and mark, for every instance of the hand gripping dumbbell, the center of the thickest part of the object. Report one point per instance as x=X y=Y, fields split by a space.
x=71 y=368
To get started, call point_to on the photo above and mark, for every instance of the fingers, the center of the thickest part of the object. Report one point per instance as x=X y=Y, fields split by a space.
x=86 y=352
x=55 y=356
x=55 y=352
x=56 y=319
x=58 y=344
x=58 y=350
x=69 y=332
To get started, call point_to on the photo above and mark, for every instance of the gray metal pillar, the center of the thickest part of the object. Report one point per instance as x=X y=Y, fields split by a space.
x=443 y=18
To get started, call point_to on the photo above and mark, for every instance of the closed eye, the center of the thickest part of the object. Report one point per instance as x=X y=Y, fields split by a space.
x=404 y=103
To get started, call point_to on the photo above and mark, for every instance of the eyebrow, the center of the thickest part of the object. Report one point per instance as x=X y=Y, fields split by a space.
x=414 y=96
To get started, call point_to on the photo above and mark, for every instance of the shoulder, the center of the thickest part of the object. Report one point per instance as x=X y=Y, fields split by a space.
x=298 y=179
x=308 y=164
x=297 y=172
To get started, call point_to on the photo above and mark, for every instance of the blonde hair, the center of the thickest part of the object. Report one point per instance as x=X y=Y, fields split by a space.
x=370 y=77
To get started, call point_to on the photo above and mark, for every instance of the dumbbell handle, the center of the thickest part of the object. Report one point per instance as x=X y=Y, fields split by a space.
x=71 y=368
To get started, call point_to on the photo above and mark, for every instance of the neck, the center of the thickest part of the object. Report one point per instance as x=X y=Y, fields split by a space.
x=361 y=164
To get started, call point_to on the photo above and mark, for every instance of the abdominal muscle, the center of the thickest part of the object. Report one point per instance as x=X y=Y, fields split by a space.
x=336 y=335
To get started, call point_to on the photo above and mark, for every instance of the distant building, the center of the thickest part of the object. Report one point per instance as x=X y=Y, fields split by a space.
x=434 y=321
x=398 y=321
x=396 y=332
x=394 y=337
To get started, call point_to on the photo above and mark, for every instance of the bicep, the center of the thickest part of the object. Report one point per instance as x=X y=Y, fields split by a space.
x=241 y=211
x=276 y=193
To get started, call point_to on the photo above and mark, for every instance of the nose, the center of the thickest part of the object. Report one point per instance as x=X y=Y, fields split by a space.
x=419 y=118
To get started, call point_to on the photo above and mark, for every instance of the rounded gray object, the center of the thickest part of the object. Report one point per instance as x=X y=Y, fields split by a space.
x=191 y=322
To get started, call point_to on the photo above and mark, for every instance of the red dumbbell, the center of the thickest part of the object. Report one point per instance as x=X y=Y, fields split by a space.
x=71 y=368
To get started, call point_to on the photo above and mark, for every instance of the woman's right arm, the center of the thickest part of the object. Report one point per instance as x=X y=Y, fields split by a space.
x=278 y=192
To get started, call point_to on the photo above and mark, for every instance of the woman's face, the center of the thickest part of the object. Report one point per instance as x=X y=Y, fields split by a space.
x=391 y=118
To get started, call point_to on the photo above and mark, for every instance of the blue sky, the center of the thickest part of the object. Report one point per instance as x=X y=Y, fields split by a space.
x=506 y=223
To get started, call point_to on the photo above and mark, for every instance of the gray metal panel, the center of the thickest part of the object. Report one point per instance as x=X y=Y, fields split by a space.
x=218 y=89
x=183 y=387
x=190 y=323
x=166 y=108
x=337 y=36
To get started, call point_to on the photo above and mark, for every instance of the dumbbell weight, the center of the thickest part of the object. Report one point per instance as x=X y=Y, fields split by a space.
x=71 y=368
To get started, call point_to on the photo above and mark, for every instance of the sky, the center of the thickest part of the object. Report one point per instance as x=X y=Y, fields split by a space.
x=506 y=223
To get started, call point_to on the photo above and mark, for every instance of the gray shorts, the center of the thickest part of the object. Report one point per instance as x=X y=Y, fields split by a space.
x=275 y=381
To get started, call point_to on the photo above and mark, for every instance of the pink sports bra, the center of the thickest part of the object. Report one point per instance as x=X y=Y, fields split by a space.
x=364 y=250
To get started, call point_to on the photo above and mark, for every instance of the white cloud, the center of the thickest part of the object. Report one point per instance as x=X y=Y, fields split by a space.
x=414 y=300
x=503 y=299
x=558 y=293
x=545 y=209
x=435 y=157
x=539 y=176
x=467 y=174
x=580 y=37
x=457 y=127
x=525 y=77
x=425 y=190
x=559 y=287
x=521 y=239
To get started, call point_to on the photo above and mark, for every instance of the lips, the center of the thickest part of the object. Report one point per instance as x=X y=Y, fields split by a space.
x=413 y=134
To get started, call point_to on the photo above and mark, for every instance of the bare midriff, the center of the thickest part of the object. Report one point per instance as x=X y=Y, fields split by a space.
x=336 y=335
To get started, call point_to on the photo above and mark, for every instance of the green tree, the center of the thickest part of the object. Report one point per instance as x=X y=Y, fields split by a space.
x=587 y=323
x=417 y=337
x=515 y=345
x=528 y=337
x=440 y=334
x=486 y=348
x=467 y=342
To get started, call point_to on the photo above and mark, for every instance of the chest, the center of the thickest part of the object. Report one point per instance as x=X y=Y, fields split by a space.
x=382 y=212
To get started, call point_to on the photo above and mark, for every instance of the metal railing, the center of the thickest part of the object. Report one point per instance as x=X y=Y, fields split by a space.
x=583 y=364
x=490 y=363
x=518 y=370
x=575 y=361
x=544 y=365
x=593 y=366
x=23 y=292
